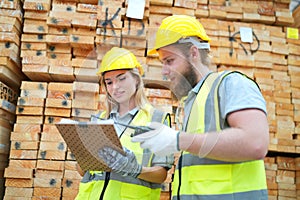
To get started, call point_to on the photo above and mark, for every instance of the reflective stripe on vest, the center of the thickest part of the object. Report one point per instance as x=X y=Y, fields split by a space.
x=203 y=178
x=121 y=187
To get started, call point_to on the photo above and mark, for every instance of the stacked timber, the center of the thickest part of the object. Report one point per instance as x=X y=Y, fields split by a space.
x=283 y=177
x=63 y=42
x=10 y=32
x=296 y=15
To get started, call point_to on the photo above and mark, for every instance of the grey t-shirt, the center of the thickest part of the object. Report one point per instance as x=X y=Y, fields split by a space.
x=236 y=92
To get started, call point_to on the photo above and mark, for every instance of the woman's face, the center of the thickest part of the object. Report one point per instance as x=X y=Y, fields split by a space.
x=121 y=86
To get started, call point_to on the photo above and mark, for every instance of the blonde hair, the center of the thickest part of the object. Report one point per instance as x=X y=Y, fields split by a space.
x=139 y=96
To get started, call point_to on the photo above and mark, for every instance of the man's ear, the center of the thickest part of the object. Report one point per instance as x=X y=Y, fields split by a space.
x=194 y=52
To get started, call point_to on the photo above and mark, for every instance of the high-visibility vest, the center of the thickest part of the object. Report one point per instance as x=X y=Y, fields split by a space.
x=208 y=179
x=111 y=186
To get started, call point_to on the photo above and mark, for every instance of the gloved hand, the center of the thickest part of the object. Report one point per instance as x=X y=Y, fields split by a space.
x=126 y=165
x=162 y=141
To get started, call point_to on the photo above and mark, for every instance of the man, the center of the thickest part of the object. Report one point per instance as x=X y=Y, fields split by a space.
x=225 y=131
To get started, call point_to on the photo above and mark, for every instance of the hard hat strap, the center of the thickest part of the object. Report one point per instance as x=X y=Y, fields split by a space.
x=196 y=42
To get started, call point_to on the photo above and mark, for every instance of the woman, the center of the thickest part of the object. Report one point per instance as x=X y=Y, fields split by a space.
x=138 y=174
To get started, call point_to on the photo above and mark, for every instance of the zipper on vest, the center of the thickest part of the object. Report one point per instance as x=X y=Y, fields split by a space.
x=106 y=181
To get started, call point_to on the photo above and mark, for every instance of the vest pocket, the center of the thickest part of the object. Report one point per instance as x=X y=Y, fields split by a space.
x=210 y=179
x=135 y=192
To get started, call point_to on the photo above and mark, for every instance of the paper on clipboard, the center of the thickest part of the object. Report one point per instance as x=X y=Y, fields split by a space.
x=85 y=139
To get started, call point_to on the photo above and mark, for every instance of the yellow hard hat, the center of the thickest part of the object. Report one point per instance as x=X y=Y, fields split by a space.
x=119 y=58
x=176 y=27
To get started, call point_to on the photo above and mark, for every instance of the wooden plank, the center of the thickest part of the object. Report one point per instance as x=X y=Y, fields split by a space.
x=29 y=119
x=37 y=72
x=58 y=103
x=39 y=192
x=57 y=39
x=25 y=136
x=33 y=14
x=86 y=75
x=16 y=13
x=13 y=21
x=27 y=53
x=161 y=2
x=7 y=106
x=10 y=37
x=29 y=85
x=82 y=21
x=83 y=113
x=23 y=154
x=7 y=115
x=11 y=172
x=33 y=46
x=72 y=174
x=60 y=90
x=33 y=38
x=61 y=73
x=51 y=165
x=29 y=110
x=135 y=28
x=87 y=8
x=59 y=112
x=85 y=42
x=52 y=119
x=31 y=101
x=59 y=22
x=59 y=48
x=18 y=192
x=35 y=26
x=87 y=53
x=56 y=30
x=51 y=134
x=47 y=183
x=40 y=5
x=40 y=173
x=84 y=63
x=24 y=145
x=27 y=128
x=31 y=164
x=52 y=155
x=19 y=182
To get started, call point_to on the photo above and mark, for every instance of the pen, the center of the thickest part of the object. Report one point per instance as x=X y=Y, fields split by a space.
x=137 y=129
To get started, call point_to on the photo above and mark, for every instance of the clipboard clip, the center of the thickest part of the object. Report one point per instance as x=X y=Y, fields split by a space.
x=137 y=129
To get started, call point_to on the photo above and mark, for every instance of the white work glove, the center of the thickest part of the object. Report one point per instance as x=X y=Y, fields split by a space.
x=162 y=141
x=126 y=165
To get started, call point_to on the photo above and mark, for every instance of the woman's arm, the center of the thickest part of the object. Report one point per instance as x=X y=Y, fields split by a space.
x=156 y=174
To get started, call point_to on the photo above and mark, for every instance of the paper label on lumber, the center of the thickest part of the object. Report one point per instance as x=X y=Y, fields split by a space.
x=135 y=9
x=85 y=139
x=292 y=33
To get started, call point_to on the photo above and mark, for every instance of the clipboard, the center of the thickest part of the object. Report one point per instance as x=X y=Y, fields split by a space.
x=84 y=139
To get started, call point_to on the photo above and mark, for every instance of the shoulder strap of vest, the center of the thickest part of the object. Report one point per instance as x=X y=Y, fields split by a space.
x=216 y=92
x=97 y=116
x=160 y=116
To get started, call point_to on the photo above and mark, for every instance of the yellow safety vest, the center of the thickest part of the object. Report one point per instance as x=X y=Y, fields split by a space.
x=203 y=178
x=111 y=186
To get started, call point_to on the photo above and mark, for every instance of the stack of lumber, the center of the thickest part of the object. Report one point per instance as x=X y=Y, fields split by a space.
x=61 y=44
x=40 y=165
x=283 y=177
x=296 y=15
x=10 y=33
x=8 y=99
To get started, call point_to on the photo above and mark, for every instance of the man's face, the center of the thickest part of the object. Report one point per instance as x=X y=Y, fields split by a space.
x=179 y=69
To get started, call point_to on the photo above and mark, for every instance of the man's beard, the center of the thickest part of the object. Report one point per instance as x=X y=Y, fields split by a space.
x=186 y=81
